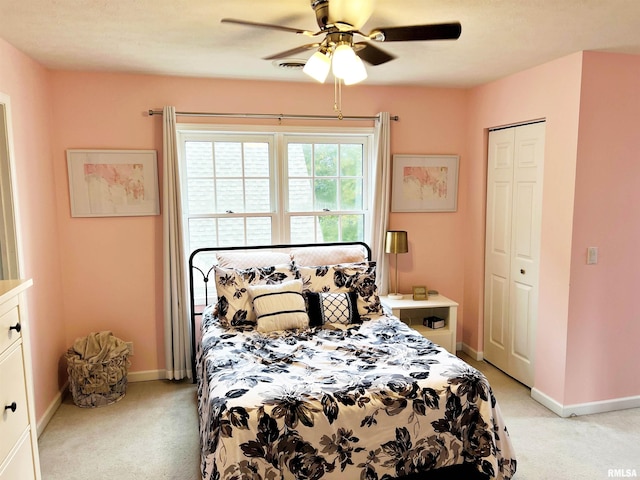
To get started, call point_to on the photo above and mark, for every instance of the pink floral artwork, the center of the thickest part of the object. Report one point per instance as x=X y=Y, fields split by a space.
x=114 y=184
x=424 y=183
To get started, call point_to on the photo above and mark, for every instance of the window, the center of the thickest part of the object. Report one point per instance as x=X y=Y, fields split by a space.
x=263 y=187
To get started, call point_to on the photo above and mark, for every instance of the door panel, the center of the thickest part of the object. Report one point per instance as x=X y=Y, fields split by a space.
x=499 y=295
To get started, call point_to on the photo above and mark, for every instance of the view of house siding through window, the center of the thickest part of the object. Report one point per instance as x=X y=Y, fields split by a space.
x=261 y=188
x=228 y=193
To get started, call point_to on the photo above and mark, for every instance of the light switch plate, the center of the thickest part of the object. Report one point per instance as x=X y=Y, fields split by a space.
x=592 y=255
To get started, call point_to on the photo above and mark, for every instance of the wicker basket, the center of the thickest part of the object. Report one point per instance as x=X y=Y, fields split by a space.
x=97 y=384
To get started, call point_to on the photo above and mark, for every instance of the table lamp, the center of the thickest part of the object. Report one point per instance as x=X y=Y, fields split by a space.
x=396 y=242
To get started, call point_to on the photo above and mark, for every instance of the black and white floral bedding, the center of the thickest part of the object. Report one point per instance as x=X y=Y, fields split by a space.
x=374 y=400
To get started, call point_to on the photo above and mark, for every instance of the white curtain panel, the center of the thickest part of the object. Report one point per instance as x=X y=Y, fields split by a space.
x=176 y=325
x=381 y=199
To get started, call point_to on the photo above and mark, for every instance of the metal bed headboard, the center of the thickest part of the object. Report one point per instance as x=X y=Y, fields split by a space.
x=205 y=276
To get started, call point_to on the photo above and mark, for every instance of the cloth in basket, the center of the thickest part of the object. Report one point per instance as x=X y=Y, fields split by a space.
x=97 y=365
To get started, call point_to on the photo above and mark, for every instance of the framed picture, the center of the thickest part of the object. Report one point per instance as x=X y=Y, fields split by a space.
x=425 y=183
x=107 y=183
x=420 y=293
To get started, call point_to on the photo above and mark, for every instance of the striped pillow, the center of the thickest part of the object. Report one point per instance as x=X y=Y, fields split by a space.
x=279 y=307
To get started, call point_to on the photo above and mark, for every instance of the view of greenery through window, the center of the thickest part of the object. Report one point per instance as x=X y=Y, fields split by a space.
x=336 y=173
x=237 y=192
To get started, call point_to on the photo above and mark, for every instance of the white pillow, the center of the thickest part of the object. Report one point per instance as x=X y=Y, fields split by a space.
x=279 y=307
x=250 y=258
x=328 y=255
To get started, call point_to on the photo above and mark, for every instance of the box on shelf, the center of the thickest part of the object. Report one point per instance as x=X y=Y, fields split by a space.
x=433 y=322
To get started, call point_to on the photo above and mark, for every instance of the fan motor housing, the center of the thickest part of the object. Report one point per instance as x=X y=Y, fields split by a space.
x=321 y=7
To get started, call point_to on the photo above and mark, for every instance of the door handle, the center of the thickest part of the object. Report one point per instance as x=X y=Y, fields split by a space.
x=522 y=271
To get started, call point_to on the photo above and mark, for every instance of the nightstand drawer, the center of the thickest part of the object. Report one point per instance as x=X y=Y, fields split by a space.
x=9 y=317
x=12 y=423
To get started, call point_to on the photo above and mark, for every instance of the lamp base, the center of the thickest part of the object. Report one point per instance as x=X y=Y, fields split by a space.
x=395 y=296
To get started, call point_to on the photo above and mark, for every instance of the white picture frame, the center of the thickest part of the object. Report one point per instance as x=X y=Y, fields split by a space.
x=425 y=183
x=112 y=183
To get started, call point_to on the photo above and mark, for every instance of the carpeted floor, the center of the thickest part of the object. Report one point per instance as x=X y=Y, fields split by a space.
x=152 y=433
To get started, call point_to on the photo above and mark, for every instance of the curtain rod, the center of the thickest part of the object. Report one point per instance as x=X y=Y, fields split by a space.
x=271 y=116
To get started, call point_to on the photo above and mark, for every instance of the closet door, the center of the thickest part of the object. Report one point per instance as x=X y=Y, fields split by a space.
x=512 y=251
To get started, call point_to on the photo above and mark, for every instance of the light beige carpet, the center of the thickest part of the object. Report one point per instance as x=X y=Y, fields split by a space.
x=152 y=433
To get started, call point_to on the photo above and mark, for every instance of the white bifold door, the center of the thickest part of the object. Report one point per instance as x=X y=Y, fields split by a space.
x=512 y=250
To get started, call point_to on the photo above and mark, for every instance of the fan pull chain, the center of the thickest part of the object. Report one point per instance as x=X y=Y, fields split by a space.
x=337 y=97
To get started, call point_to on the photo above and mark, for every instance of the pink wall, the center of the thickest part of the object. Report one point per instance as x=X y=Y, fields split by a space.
x=112 y=267
x=604 y=316
x=550 y=91
x=28 y=86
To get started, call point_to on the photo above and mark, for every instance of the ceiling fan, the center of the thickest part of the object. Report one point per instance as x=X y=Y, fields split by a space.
x=340 y=22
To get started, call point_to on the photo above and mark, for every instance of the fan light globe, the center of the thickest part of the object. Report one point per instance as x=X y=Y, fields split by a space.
x=357 y=73
x=318 y=66
x=343 y=59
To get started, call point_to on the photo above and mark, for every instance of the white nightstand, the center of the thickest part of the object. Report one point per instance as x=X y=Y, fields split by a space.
x=412 y=312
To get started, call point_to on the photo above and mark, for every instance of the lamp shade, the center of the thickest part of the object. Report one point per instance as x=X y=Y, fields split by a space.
x=343 y=60
x=357 y=72
x=396 y=242
x=318 y=66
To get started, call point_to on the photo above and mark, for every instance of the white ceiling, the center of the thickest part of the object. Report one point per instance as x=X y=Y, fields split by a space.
x=186 y=38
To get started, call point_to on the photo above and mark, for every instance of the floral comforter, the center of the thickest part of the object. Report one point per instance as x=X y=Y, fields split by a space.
x=371 y=401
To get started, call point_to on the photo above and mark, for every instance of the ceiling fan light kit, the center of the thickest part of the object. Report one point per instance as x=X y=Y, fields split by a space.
x=339 y=21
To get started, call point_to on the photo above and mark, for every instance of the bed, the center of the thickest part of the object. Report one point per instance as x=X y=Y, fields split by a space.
x=301 y=375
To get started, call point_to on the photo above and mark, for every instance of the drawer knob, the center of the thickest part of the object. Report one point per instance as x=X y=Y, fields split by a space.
x=17 y=327
x=11 y=407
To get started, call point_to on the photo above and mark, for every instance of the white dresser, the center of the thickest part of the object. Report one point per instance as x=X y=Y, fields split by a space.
x=19 y=459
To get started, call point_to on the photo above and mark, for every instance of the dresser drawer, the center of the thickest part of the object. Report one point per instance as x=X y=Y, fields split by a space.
x=20 y=464
x=9 y=317
x=12 y=423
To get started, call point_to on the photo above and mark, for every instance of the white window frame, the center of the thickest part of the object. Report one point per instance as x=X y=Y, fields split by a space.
x=279 y=193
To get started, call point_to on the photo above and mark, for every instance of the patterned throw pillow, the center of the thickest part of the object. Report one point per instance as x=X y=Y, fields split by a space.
x=328 y=307
x=342 y=278
x=234 y=303
x=279 y=307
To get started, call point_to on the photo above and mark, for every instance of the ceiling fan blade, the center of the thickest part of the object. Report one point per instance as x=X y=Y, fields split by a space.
x=439 y=31
x=270 y=26
x=293 y=51
x=372 y=54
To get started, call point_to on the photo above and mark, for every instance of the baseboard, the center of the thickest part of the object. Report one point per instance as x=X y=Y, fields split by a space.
x=477 y=356
x=146 y=376
x=51 y=409
x=588 y=408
